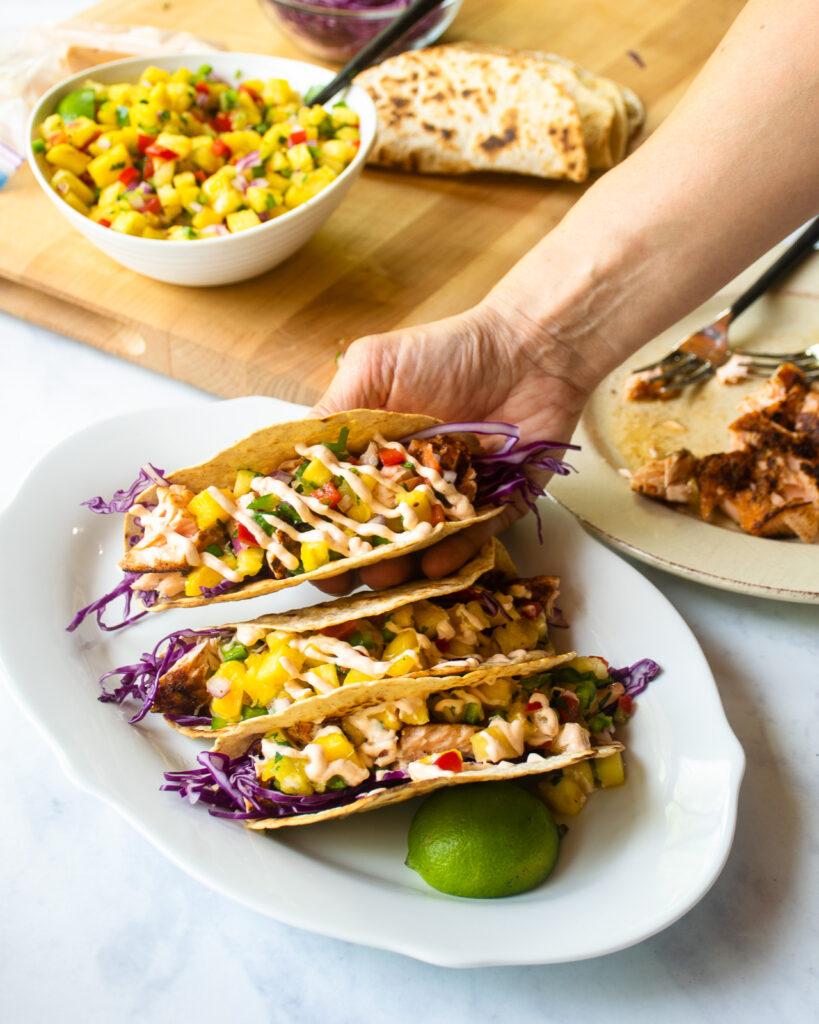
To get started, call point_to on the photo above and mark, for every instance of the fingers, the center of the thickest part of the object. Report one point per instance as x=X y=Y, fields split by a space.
x=336 y=586
x=453 y=552
x=391 y=572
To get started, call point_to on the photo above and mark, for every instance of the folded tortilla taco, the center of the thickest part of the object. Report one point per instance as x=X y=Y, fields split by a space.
x=307 y=500
x=474 y=107
x=383 y=753
x=484 y=622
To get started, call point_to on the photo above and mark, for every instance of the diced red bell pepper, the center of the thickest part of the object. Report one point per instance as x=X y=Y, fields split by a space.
x=251 y=93
x=202 y=87
x=626 y=704
x=86 y=178
x=568 y=706
x=449 y=761
x=437 y=514
x=105 y=222
x=128 y=175
x=220 y=148
x=296 y=138
x=57 y=139
x=246 y=536
x=153 y=205
x=147 y=168
x=199 y=175
x=342 y=630
x=442 y=645
x=390 y=456
x=161 y=152
x=143 y=141
x=531 y=609
x=328 y=494
x=535 y=705
x=222 y=122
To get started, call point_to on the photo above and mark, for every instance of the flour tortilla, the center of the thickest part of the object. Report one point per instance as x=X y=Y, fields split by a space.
x=449 y=110
x=494 y=773
x=264 y=451
x=438 y=108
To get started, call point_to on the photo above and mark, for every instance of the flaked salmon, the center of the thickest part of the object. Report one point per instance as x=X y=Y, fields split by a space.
x=768 y=482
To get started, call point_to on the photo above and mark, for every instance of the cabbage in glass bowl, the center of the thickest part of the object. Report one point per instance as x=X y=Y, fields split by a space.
x=335 y=30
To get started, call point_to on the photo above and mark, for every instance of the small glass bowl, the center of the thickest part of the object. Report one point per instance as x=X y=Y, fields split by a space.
x=336 y=33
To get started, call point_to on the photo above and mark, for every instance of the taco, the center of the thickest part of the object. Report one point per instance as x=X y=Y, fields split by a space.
x=500 y=728
x=481 y=623
x=307 y=500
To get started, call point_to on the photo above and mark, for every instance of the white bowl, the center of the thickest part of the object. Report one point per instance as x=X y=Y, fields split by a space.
x=222 y=259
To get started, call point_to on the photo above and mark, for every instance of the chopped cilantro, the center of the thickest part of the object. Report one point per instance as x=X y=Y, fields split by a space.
x=123 y=117
x=336 y=782
x=214 y=549
x=260 y=520
x=339 y=447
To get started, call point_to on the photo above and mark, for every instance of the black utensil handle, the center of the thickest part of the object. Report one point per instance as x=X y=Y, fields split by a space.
x=789 y=260
x=376 y=47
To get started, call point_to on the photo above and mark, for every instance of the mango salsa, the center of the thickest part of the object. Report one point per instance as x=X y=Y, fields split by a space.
x=193 y=156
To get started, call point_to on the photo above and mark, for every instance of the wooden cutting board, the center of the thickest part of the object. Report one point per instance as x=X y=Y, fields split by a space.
x=402 y=249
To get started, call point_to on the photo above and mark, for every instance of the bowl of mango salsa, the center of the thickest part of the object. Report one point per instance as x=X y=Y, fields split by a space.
x=199 y=169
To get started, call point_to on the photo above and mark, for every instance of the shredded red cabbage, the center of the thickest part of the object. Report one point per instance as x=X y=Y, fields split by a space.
x=141 y=680
x=220 y=588
x=226 y=786
x=508 y=471
x=636 y=677
x=122 y=589
x=123 y=500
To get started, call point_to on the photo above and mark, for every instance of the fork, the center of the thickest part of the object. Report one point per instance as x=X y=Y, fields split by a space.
x=697 y=357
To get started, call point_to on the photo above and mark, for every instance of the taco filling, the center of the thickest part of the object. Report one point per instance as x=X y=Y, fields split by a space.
x=254 y=669
x=321 y=506
x=570 y=712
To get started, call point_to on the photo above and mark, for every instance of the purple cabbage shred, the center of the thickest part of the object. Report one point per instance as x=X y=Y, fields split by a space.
x=636 y=677
x=220 y=588
x=227 y=785
x=508 y=472
x=141 y=680
x=123 y=500
x=122 y=589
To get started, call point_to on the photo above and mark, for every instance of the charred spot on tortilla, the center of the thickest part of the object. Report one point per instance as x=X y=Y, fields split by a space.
x=493 y=142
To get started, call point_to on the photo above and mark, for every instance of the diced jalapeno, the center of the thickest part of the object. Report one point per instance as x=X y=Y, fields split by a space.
x=234 y=652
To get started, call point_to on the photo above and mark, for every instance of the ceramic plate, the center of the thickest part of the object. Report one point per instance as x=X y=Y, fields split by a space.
x=636 y=859
x=616 y=435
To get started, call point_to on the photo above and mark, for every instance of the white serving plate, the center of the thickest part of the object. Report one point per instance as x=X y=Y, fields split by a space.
x=634 y=862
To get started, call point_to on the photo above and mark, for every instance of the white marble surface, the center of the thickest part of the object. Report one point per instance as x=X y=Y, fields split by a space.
x=97 y=926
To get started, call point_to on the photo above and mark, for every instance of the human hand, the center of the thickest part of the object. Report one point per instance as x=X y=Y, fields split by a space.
x=485 y=364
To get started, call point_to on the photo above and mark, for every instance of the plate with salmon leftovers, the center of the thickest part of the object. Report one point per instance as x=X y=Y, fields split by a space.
x=719 y=483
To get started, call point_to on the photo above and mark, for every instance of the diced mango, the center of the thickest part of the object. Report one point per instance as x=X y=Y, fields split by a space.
x=519 y=635
x=75 y=202
x=241 y=220
x=249 y=561
x=354 y=676
x=107 y=167
x=66 y=156
x=203 y=576
x=314 y=554
x=581 y=773
x=207 y=510
x=595 y=665
x=327 y=672
x=316 y=473
x=288 y=774
x=179 y=144
x=413 y=710
x=610 y=771
x=428 y=616
x=81 y=131
x=419 y=501
x=64 y=180
x=336 y=745
x=562 y=795
x=244 y=478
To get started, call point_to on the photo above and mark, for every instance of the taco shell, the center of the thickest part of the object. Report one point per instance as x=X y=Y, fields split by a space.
x=501 y=772
x=267 y=449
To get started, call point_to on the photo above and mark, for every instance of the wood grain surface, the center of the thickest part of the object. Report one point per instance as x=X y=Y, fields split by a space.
x=402 y=249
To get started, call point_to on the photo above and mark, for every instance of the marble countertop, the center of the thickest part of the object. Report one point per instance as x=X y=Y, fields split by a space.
x=98 y=926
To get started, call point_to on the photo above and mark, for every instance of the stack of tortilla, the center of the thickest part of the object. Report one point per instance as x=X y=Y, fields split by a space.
x=469 y=107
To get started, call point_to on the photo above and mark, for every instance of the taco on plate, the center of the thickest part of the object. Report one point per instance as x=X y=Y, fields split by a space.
x=483 y=622
x=420 y=739
x=310 y=499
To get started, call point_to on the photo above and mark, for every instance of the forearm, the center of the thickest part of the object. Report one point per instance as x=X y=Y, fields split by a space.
x=731 y=171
